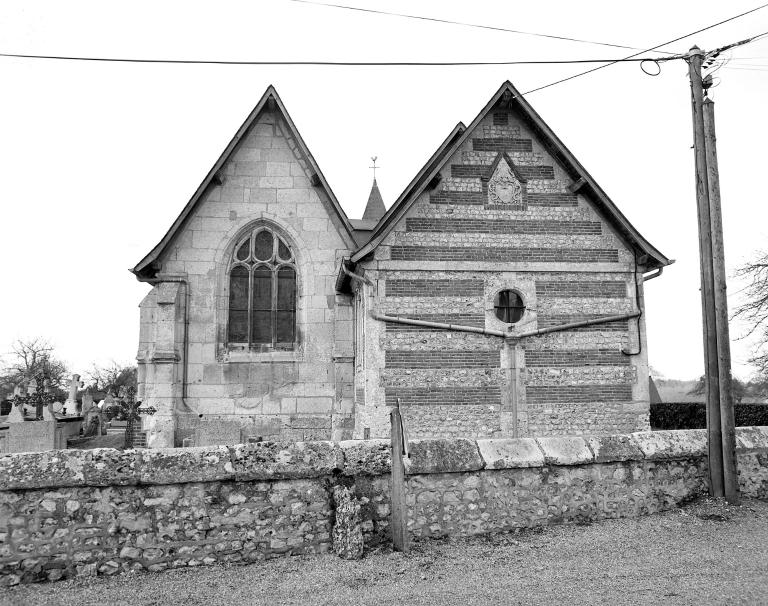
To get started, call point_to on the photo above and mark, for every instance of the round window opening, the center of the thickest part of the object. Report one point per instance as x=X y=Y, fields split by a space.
x=508 y=306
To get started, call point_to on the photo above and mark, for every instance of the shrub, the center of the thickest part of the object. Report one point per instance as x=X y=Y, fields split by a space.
x=693 y=415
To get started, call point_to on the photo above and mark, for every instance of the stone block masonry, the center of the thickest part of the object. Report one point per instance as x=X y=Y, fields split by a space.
x=100 y=512
x=302 y=391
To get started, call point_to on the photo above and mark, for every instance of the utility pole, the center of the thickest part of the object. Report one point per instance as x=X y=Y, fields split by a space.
x=721 y=444
x=727 y=422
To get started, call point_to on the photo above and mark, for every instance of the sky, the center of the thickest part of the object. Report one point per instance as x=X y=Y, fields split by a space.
x=99 y=158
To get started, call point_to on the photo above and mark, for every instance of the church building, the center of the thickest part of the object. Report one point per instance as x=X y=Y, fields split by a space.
x=501 y=295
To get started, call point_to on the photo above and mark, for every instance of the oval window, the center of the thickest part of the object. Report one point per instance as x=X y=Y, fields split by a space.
x=508 y=306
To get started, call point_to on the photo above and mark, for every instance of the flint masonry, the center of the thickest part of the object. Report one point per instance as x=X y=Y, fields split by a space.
x=500 y=295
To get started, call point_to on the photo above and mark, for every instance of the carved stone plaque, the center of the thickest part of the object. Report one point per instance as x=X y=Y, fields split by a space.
x=503 y=187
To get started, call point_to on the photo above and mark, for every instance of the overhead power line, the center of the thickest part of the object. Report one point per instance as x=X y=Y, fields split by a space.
x=605 y=62
x=465 y=24
x=330 y=63
x=713 y=54
x=594 y=69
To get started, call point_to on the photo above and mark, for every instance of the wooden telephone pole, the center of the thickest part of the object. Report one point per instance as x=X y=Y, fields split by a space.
x=721 y=432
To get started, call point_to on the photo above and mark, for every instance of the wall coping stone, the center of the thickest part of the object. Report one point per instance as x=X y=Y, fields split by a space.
x=111 y=467
x=366 y=457
x=752 y=439
x=664 y=445
x=442 y=456
x=196 y=464
x=42 y=469
x=608 y=449
x=510 y=453
x=565 y=450
x=295 y=460
x=285 y=460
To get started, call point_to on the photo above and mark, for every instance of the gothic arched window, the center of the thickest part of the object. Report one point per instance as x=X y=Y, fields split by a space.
x=262 y=292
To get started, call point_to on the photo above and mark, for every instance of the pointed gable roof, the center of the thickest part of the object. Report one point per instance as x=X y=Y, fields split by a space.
x=270 y=101
x=375 y=208
x=583 y=183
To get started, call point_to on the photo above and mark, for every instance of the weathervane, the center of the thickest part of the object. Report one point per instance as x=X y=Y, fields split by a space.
x=374 y=167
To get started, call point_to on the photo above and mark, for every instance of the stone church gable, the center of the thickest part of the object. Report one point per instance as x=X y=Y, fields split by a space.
x=263 y=224
x=505 y=212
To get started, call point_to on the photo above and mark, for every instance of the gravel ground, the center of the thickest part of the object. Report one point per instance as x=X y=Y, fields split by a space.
x=705 y=553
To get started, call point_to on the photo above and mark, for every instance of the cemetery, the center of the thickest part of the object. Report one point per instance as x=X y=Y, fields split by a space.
x=37 y=422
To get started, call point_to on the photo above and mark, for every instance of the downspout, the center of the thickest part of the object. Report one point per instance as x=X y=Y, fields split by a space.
x=656 y=274
x=561 y=327
x=509 y=337
x=412 y=322
x=487 y=331
x=455 y=327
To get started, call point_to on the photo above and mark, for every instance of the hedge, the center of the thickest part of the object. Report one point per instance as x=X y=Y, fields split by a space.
x=693 y=415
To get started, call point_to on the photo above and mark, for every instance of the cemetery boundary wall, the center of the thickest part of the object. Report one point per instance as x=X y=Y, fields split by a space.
x=92 y=512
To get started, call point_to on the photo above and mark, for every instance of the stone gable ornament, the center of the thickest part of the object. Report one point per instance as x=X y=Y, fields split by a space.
x=503 y=187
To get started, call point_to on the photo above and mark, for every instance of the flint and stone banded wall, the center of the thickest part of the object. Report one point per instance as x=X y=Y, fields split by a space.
x=304 y=394
x=100 y=512
x=446 y=261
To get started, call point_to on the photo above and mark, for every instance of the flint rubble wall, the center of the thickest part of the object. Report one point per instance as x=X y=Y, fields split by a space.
x=86 y=513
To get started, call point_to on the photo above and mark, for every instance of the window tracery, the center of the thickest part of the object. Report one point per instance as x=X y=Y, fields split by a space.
x=262 y=292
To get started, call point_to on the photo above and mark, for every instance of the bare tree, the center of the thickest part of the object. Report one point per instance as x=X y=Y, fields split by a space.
x=112 y=377
x=754 y=310
x=739 y=389
x=30 y=357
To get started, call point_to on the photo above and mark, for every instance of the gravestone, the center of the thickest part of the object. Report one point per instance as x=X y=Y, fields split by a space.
x=16 y=415
x=87 y=402
x=93 y=419
x=32 y=436
x=60 y=437
x=216 y=432
x=74 y=384
x=48 y=411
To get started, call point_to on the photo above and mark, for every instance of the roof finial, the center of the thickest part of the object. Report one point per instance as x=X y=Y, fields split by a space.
x=374 y=167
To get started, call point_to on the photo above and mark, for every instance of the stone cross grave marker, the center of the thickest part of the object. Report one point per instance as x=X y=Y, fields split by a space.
x=74 y=385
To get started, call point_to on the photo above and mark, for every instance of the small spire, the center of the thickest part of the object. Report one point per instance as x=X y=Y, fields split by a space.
x=375 y=208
